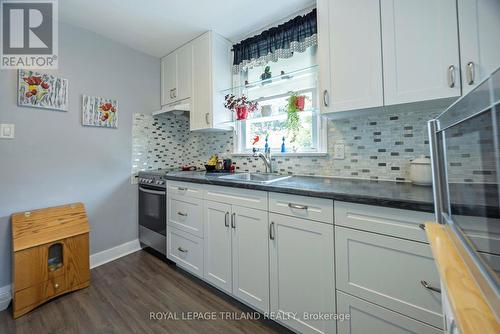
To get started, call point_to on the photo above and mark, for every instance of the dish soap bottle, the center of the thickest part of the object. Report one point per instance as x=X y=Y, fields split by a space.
x=283 y=149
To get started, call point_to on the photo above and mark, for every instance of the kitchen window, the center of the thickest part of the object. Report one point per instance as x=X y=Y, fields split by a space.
x=304 y=134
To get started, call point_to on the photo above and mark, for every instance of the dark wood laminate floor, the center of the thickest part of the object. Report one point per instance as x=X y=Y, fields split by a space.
x=122 y=295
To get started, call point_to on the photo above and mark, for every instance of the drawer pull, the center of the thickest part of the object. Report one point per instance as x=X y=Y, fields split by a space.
x=182 y=188
x=297 y=206
x=272 y=232
x=183 y=214
x=182 y=250
x=226 y=219
x=56 y=286
x=430 y=287
x=422 y=226
x=233 y=220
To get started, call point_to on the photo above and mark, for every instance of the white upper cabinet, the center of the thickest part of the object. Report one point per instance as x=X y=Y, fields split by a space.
x=212 y=74
x=176 y=75
x=479 y=22
x=420 y=50
x=184 y=72
x=350 y=54
x=168 y=78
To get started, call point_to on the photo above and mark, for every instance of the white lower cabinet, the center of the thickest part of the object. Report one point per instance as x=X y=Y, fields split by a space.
x=302 y=273
x=185 y=250
x=389 y=272
x=366 y=318
x=217 y=246
x=251 y=257
x=236 y=252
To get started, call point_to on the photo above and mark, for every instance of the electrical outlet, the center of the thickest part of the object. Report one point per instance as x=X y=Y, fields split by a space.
x=7 y=131
x=339 y=152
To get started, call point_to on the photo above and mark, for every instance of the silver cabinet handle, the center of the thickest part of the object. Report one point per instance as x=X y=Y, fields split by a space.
x=326 y=98
x=182 y=249
x=184 y=214
x=233 y=220
x=226 y=219
x=272 y=232
x=430 y=287
x=172 y=93
x=470 y=73
x=422 y=226
x=175 y=92
x=297 y=206
x=182 y=188
x=451 y=76
x=206 y=118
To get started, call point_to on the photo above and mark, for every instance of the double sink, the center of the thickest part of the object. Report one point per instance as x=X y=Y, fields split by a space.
x=260 y=178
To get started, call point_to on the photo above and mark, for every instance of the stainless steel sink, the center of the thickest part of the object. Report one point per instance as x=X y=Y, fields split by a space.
x=254 y=177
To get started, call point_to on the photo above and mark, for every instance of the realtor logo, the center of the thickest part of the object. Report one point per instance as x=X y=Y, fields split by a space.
x=29 y=34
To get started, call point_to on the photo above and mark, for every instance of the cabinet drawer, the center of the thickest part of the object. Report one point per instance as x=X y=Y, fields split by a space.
x=185 y=250
x=39 y=293
x=388 y=272
x=366 y=317
x=236 y=196
x=184 y=189
x=186 y=214
x=395 y=222
x=319 y=209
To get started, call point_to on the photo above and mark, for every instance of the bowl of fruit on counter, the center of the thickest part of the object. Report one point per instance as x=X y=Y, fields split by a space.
x=211 y=165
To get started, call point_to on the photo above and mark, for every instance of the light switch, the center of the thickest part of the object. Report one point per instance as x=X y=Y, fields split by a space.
x=7 y=131
x=339 y=152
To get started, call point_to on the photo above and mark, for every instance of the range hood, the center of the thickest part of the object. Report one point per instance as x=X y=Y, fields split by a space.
x=177 y=108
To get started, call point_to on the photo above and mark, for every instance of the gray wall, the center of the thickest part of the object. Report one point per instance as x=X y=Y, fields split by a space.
x=55 y=160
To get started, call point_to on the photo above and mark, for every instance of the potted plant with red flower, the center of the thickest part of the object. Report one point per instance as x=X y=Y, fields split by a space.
x=240 y=105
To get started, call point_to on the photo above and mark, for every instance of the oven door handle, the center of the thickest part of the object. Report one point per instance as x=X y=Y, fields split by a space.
x=154 y=192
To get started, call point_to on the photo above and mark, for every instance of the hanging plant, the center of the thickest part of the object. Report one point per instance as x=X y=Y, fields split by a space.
x=240 y=105
x=295 y=105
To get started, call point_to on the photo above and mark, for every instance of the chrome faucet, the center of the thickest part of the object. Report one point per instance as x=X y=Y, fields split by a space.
x=266 y=157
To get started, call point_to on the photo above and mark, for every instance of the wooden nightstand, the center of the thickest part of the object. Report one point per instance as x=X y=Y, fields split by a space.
x=50 y=250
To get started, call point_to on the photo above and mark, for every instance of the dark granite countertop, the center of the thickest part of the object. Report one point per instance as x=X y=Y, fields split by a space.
x=401 y=195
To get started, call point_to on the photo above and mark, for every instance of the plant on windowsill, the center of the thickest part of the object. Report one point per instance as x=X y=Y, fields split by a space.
x=295 y=105
x=240 y=105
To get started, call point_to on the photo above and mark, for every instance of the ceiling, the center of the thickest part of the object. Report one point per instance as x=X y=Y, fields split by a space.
x=158 y=27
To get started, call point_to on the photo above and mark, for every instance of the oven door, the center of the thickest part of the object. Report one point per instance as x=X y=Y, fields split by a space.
x=152 y=209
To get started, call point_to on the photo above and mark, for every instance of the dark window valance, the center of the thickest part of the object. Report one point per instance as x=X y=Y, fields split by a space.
x=278 y=42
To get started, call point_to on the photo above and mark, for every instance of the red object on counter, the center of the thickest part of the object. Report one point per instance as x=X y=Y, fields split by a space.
x=188 y=168
x=232 y=168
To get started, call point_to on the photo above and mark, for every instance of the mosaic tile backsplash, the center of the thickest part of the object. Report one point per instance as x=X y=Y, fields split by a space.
x=377 y=147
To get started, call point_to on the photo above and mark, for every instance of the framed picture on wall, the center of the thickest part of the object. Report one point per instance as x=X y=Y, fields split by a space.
x=99 y=111
x=39 y=90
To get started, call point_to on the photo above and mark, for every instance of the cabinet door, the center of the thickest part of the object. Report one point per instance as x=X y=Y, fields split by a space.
x=168 y=78
x=184 y=72
x=388 y=272
x=251 y=257
x=200 y=115
x=302 y=272
x=355 y=59
x=217 y=245
x=479 y=22
x=420 y=50
x=366 y=317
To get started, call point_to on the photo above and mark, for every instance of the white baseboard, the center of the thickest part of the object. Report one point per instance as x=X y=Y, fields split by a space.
x=114 y=253
x=5 y=297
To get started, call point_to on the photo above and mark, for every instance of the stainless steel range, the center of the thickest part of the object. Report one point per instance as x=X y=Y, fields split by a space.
x=153 y=210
